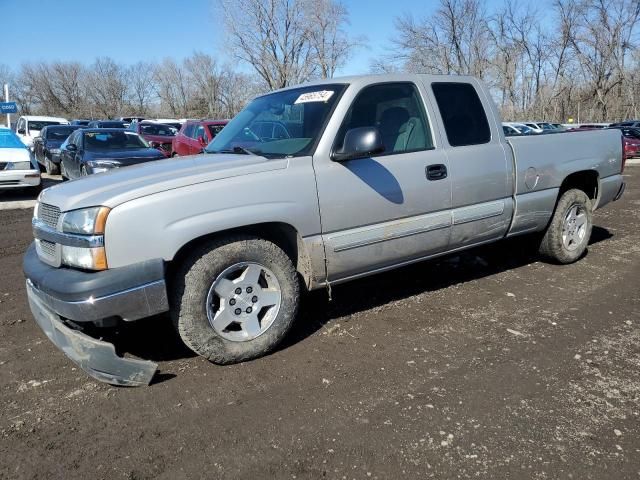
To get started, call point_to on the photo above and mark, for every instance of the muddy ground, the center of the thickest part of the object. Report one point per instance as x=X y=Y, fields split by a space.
x=489 y=364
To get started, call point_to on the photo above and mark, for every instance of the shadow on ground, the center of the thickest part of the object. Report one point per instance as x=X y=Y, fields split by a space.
x=155 y=338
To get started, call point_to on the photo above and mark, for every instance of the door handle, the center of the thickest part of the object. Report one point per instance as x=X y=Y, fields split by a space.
x=436 y=172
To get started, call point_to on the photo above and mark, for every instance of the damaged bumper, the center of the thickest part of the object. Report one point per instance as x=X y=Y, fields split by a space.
x=63 y=299
x=97 y=358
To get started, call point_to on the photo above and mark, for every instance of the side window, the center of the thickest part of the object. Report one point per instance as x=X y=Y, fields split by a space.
x=464 y=118
x=397 y=111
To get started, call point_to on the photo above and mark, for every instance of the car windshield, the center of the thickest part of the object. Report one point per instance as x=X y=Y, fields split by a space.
x=60 y=133
x=8 y=139
x=281 y=124
x=157 y=129
x=40 y=124
x=100 y=141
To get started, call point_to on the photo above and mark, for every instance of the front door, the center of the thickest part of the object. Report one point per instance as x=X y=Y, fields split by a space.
x=384 y=210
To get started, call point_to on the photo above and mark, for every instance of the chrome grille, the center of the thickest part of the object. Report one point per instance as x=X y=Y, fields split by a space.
x=49 y=214
x=48 y=248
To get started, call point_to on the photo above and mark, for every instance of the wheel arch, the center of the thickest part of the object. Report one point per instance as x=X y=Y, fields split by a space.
x=586 y=180
x=281 y=234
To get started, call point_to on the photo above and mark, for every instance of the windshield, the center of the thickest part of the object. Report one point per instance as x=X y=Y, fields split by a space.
x=40 y=124
x=8 y=139
x=282 y=124
x=157 y=129
x=101 y=141
x=59 y=133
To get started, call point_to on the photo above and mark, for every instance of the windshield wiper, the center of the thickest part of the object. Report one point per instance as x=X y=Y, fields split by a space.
x=237 y=149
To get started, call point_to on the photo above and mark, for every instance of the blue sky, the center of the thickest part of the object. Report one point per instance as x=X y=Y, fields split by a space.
x=133 y=30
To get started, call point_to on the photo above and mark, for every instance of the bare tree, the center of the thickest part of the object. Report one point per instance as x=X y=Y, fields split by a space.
x=455 y=39
x=331 y=46
x=106 y=86
x=271 y=36
x=141 y=87
x=173 y=87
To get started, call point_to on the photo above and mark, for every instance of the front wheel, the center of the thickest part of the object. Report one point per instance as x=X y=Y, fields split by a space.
x=235 y=299
x=569 y=231
x=50 y=167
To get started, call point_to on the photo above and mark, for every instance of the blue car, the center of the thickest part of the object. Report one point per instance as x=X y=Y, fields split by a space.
x=99 y=150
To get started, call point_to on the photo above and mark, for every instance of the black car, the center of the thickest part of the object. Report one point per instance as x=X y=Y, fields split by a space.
x=80 y=121
x=46 y=147
x=98 y=150
x=106 y=124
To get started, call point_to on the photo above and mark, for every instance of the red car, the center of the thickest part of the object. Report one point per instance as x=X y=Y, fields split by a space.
x=158 y=135
x=195 y=135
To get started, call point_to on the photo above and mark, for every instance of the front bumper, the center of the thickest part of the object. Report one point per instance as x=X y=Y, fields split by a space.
x=61 y=299
x=19 y=178
x=97 y=358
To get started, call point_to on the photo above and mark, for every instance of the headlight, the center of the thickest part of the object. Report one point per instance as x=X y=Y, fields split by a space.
x=100 y=166
x=18 y=166
x=86 y=221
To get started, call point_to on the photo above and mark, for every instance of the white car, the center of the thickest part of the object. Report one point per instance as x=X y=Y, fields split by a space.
x=18 y=166
x=29 y=127
x=520 y=127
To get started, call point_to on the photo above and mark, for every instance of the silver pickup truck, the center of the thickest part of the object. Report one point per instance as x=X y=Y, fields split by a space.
x=305 y=188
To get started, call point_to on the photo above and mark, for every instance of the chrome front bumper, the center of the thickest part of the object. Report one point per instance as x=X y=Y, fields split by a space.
x=97 y=358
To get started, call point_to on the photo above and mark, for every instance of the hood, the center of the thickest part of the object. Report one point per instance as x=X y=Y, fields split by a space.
x=124 y=184
x=125 y=156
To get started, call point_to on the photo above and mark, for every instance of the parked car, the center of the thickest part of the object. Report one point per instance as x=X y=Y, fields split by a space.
x=80 y=122
x=378 y=173
x=510 y=131
x=195 y=135
x=128 y=120
x=18 y=167
x=46 y=147
x=559 y=127
x=158 y=135
x=627 y=123
x=631 y=139
x=29 y=127
x=172 y=122
x=106 y=124
x=99 y=150
x=520 y=127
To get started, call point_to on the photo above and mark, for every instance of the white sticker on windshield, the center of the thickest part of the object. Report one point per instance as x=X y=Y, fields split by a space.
x=321 y=96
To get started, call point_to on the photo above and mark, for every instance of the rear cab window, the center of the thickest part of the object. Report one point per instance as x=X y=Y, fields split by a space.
x=465 y=121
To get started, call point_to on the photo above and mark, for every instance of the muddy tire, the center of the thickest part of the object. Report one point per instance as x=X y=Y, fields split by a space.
x=568 y=233
x=234 y=299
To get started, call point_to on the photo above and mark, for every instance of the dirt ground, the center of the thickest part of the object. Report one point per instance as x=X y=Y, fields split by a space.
x=488 y=364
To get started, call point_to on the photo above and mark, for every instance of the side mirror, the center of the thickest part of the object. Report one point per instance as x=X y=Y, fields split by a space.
x=203 y=141
x=72 y=147
x=359 y=142
x=22 y=131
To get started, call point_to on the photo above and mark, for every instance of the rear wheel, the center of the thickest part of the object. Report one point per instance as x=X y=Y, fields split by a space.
x=235 y=299
x=567 y=236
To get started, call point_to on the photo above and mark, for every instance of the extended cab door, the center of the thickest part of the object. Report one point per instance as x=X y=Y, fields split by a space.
x=384 y=210
x=480 y=167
